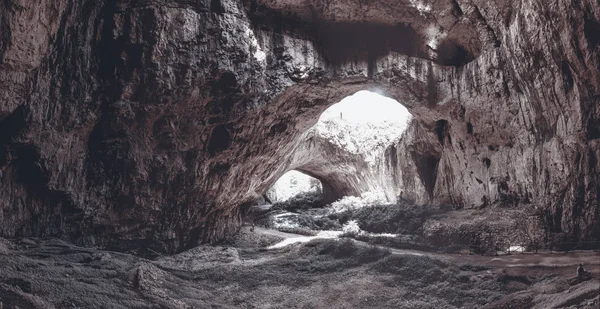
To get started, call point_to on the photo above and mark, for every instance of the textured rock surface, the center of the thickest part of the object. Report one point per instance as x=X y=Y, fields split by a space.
x=341 y=172
x=525 y=128
x=126 y=123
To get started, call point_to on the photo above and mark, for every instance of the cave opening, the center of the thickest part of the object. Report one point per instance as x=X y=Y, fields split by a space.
x=364 y=123
x=345 y=148
x=295 y=185
x=336 y=179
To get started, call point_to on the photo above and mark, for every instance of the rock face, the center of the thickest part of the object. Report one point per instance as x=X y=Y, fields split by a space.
x=341 y=172
x=127 y=123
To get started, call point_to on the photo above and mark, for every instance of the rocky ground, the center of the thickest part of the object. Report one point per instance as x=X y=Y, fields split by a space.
x=50 y=273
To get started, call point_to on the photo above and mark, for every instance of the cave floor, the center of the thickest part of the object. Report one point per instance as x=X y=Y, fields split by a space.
x=50 y=273
x=545 y=258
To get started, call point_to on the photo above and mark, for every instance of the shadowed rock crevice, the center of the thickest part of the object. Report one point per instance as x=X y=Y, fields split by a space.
x=591 y=29
x=220 y=140
x=427 y=167
x=216 y=7
x=5 y=31
x=442 y=131
x=352 y=42
x=567 y=76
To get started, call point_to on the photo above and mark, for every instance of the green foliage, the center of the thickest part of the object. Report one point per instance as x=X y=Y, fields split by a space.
x=339 y=249
x=297 y=230
x=318 y=223
x=401 y=218
x=435 y=283
x=470 y=267
x=481 y=232
x=413 y=267
x=301 y=201
x=412 y=242
x=334 y=255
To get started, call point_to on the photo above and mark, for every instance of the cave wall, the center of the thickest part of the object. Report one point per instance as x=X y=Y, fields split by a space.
x=147 y=124
x=121 y=127
x=542 y=149
x=522 y=121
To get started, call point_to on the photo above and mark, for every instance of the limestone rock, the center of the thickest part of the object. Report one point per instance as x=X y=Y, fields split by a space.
x=148 y=124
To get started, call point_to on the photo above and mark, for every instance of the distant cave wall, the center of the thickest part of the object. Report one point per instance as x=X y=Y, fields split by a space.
x=407 y=169
x=128 y=124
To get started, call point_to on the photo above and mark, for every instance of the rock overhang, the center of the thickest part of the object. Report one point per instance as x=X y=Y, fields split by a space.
x=345 y=30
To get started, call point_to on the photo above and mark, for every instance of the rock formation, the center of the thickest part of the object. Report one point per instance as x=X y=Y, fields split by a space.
x=127 y=123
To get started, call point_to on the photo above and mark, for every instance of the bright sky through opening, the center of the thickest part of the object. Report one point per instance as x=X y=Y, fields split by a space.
x=367 y=106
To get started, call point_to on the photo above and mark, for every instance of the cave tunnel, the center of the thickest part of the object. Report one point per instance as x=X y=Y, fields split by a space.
x=294 y=184
x=343 y=149
x=316 y=188
x=212 y=158
x=331 y=190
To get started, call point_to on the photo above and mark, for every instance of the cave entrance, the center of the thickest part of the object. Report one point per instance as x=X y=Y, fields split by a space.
x=364 y=121
x=346 y=148
x=336 y=165
x=297 y=187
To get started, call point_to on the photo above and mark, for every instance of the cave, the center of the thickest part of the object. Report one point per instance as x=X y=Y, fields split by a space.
x=151 y=127
x=149 y=114
x=346 y=148
x=295 y=185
